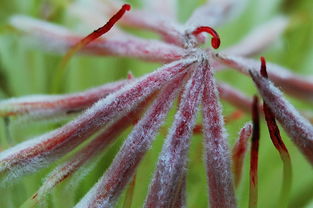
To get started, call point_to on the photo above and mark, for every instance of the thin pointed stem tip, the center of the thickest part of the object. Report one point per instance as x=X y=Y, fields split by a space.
x=263 y=67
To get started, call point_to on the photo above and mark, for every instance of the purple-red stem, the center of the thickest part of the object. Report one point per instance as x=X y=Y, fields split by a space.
x=221 y=190
x=253 y=195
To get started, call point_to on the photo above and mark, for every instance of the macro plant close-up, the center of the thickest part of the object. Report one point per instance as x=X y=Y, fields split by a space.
x=156 y=103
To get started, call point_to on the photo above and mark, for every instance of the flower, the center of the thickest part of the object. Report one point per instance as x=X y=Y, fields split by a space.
x=144 y=102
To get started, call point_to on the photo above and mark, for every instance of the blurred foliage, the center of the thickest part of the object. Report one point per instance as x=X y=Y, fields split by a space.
x=26 y=70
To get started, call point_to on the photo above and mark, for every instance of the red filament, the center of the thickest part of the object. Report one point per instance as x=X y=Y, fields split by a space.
x=88 y=39
x=253 y=198
x=215 y=41
x=105 y=28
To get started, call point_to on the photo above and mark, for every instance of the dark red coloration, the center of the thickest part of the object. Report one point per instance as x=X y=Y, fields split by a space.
x=215 y=41
x=253 y=198
x=263 y=67
x=197 y=129
x=170 y=177
x=278 y=143
x=104 y=29
x=270 y=118
x=220 y=182
x=274 y=130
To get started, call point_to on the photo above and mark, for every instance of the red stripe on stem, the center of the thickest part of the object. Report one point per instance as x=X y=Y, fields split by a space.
x=168 y=177
x=221 y=190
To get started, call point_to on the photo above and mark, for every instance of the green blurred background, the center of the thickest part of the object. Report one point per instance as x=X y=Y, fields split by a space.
x=26 y=70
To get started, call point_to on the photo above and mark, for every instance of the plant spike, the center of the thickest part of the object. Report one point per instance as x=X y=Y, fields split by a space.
x=279 y=145
x=166 y=185
x=106 y=191
x=90 y=151
x=221 y=190
x=35 y=153
x=299 y=129
x=124 y=106
x=253 y=194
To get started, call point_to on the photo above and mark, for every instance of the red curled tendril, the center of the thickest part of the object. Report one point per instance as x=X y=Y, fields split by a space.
x=215 y=41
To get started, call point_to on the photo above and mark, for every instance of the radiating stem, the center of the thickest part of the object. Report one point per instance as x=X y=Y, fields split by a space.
x=221 y=190
x=253 y=194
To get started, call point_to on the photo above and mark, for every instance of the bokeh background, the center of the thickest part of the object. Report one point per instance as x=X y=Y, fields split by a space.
x=25 y=70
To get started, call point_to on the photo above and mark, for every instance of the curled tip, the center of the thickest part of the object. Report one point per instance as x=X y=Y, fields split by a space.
x=215 y=41
x=263 y=67
x=126 y=7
